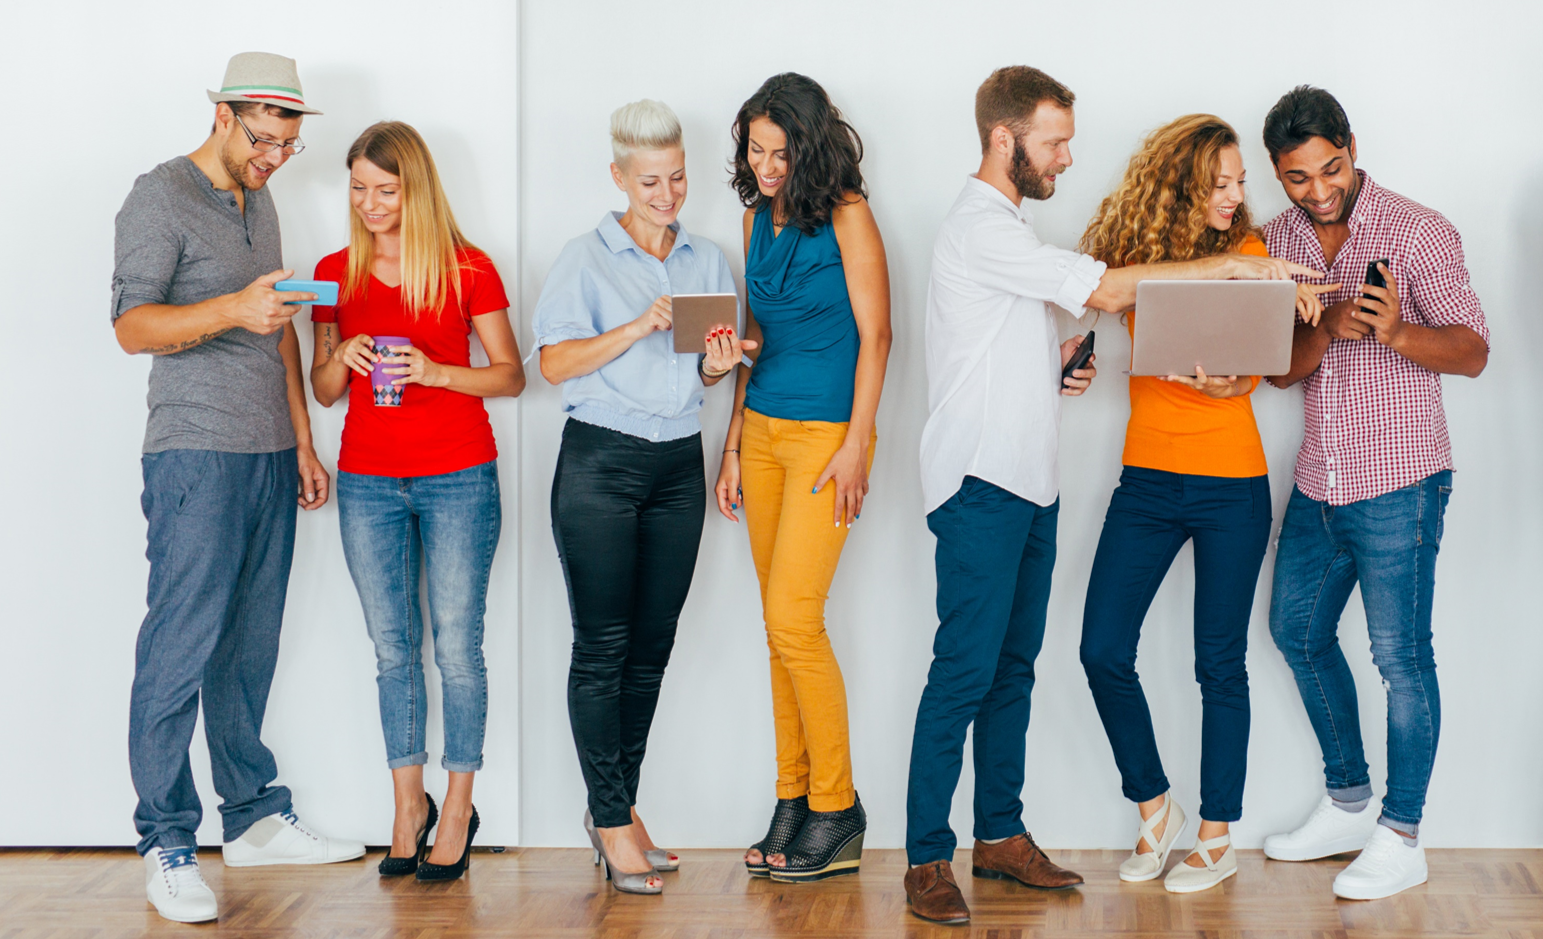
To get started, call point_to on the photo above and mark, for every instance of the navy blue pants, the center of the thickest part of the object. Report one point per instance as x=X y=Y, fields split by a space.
x=221 y=538
x=994 y=557
x=1151 y=515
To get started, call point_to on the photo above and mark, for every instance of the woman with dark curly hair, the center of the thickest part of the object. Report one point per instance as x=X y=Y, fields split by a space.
x=1194 y=470
x=801 y=439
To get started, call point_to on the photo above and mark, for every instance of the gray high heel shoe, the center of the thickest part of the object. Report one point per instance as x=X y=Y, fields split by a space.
x=626 y=883
x=662 y=860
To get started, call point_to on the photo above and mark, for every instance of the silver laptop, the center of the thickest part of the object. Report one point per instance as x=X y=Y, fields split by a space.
x=1228 y=327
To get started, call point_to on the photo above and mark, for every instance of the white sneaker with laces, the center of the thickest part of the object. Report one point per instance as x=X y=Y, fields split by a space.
x=1385 y=867
x=1328 y=831
x=282 y=839
x=174 y=884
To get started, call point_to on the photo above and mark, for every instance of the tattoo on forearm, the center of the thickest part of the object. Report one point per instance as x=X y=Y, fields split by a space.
x=185 y=344
x=326 y=340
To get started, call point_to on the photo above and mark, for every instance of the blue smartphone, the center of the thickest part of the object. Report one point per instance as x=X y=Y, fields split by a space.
x=326 y=291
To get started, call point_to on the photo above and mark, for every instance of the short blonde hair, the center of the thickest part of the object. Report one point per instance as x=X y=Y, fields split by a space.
x=643 y=125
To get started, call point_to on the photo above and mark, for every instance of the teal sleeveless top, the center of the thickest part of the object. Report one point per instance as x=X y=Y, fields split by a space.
x=798 y=293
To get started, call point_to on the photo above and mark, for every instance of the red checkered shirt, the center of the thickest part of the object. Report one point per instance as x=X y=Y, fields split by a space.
x=1374 y=420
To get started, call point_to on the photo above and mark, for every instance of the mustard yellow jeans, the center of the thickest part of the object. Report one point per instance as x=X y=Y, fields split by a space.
x=796 y=544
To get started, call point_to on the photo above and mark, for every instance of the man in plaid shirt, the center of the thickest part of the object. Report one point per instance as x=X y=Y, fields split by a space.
x=1372 y=480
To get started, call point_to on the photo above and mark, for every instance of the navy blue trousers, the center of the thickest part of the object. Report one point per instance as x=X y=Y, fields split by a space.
x=1151 y=515
x=994 y=557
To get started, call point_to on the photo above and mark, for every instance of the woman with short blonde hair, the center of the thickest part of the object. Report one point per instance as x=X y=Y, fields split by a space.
x=629 y=494
x=418 y=470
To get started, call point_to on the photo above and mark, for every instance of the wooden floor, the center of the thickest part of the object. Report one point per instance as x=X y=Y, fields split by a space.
x=557 y=894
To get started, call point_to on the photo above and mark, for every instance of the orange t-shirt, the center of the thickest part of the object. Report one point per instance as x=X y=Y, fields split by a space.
x=1179 y=430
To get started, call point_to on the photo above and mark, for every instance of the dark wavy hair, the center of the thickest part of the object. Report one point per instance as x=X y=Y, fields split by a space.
x=1301 y=114
x=823 y=151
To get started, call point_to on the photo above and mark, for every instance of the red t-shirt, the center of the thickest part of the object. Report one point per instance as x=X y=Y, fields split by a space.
x=435 y=430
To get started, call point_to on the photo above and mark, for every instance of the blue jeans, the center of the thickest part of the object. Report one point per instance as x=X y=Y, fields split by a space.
x=449 y=523
x=1151 y=515
x=1388 y=544
x=994 y=557
x=221 y=538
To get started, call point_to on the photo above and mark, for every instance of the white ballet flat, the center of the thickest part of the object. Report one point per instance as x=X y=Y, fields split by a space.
x=1149 y=865
x=1185 y=878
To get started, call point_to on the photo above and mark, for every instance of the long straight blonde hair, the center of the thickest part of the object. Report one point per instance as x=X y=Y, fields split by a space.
x=431 y=240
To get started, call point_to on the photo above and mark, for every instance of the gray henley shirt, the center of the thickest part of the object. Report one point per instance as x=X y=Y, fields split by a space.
x=181 y=241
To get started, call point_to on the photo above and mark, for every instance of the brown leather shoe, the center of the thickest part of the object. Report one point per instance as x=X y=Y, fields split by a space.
x=1019 y=858
x=933 y=894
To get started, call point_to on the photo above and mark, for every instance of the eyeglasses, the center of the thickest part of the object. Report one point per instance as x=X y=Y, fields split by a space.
x=264 y=145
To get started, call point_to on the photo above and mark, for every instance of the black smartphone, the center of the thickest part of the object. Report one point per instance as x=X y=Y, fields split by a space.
x=1374 y=277
x=1079 y=358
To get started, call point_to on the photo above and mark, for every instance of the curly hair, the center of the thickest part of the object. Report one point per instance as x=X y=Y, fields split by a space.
x=823 y=151
x=1158 y=212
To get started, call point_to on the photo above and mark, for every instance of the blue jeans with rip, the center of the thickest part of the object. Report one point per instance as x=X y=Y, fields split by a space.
x=449 y=524
x=1388 y=544
x=220 y=541
x=994 y=558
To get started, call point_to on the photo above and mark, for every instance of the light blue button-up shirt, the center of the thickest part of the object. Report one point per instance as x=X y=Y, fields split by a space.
x=603 y=280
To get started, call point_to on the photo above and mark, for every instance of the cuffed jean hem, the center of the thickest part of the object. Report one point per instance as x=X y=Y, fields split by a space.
x=1146 y=795
x=793 y=790
x=832 y=801
x=452 y=766
x=1224 y=816
x=417 y=759
x=1353 y=793
x=171 y=838
x=1409 y=826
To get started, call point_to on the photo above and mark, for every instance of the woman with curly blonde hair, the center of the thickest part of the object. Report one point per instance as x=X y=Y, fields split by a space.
x=1194 y=469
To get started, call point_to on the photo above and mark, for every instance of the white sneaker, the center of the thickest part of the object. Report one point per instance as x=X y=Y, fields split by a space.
x=1385 y=867
x=282 y=839
x=1149 y=865
x=1185 y=878
x=175 y=885
x=1328 y=831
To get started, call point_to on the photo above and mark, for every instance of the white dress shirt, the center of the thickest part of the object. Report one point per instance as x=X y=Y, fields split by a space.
x=993 y=356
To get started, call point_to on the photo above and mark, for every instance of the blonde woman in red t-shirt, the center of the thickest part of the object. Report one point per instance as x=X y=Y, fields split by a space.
x=418 y=472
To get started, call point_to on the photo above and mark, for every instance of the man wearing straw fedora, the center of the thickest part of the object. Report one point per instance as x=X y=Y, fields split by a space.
x=227 y=451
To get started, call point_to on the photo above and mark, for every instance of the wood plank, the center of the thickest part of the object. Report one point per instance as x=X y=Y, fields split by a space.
x=559 y=894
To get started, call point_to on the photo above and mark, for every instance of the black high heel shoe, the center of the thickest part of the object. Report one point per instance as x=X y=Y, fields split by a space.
x=401 y=866
x=427 y=871
x=830 y=843
x=786 y=821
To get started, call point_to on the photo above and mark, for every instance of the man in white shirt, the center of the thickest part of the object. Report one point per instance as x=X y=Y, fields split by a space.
x=990 y=479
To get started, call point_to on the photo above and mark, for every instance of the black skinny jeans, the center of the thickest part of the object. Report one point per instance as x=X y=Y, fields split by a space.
x=627 y=516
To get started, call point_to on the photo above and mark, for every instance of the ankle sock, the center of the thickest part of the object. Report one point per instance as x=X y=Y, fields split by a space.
x=1352 y=799
x=991 y=840
x=1410 y=833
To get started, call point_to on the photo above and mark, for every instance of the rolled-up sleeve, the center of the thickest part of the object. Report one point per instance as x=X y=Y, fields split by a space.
x=1004 y=255
x=145 y=254
x=1438 y=279
x=565 y=310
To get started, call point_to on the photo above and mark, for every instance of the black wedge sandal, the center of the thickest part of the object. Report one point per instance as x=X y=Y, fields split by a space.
x=786 y=821
x=402 y=866
x=829 y=844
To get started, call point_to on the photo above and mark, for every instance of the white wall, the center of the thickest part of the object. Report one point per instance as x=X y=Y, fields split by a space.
x=75 y=551
x=1443 y=108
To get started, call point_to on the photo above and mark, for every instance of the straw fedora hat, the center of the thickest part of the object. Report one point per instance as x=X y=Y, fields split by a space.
x=263 y=78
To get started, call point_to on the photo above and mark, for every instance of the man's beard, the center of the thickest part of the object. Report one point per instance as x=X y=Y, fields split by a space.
x=1346 y=204
x=238 y=171
x=1030 y=183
